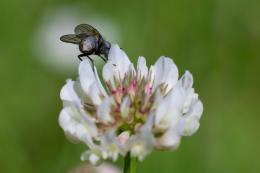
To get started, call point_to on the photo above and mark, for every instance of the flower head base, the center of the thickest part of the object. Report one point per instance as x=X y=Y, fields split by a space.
x=136 y=110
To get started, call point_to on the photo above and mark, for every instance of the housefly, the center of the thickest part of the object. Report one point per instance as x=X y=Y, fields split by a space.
x=90 y=42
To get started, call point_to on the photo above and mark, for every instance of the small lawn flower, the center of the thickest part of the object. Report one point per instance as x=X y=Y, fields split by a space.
x=131 y=111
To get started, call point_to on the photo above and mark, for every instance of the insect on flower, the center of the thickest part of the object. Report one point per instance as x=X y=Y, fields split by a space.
x=132 y=111
x=90 y=42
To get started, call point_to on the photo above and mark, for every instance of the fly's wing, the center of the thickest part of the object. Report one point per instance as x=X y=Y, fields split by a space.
x=70 y=38
x=85 y=30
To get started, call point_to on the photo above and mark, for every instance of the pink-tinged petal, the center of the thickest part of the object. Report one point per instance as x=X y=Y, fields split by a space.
x=99 y=168
x=107 y=168
x=123 y=137
x=165 y=72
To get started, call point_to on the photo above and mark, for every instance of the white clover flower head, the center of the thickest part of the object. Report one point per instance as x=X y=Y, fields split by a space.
x=135 y=110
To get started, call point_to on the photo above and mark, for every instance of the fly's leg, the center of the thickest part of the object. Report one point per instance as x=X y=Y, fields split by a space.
x=90 y=59
x=81 y=55
x=103 y=58
x=92 y=62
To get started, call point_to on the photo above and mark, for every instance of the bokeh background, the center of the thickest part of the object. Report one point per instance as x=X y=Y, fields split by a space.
x=217 y=40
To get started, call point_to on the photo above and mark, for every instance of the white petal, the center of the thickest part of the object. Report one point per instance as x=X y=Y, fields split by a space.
x=186 y=83
x=93 y=158
x=191 y=125
x=190 y=97
x=186 y=80
x=131 y=69
x=147 y=127
x=103 y=112
x=110 y=145
x=68 y=93
x=90 y=82
x=168 y=111
x=118 y=57
x=151 y=75
x=165 y=72
x=158 y=97
x=141 y=144
x=86 y=75
x=125 y=106
x=77 y=125
x=166 y=116
x=197 y=109
x=110 y=72
x=177 y=97
x=117 y=65
x=139 y=150
x=191 y=119
x=95 y=94
x=169 y=140
x=99 y=84
x=142 y=69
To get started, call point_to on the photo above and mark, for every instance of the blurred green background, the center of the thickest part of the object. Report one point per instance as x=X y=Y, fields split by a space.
x=217 y=40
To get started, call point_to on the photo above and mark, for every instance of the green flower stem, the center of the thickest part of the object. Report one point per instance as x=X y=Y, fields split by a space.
x=130 y=164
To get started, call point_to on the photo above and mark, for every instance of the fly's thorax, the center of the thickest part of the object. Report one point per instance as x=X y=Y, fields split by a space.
x=88 y=45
